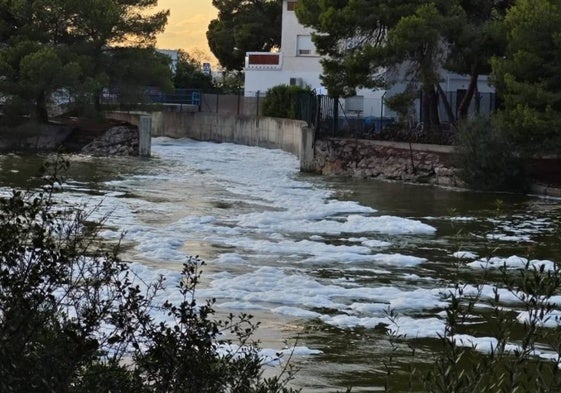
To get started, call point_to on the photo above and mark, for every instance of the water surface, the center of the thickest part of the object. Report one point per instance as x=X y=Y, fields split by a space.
x=317 y=260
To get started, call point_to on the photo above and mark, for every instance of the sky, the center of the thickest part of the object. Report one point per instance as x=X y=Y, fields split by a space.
x=187 y=25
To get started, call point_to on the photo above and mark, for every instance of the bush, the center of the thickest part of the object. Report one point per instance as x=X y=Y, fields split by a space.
x=487 y=159
x=511 y=361
x=71 y=313
x=289 y=102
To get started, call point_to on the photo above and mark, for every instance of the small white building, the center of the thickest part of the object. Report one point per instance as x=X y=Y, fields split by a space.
x=298 y=63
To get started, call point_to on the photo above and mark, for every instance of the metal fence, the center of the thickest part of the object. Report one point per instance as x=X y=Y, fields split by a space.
x=326 y=115
x=150 y=98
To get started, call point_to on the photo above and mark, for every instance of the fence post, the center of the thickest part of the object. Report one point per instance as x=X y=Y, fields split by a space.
x=257 y=109
x=144 y=135
x=335 y=116
x=318 y=114
x=239 y=98
x=382 y=112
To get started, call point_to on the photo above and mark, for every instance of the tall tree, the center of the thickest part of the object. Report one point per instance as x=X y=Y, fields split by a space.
x=47 y=45
x=528 y=76
x=416 y=49
x=374 y=44
x=475 y=38
x=244 y=26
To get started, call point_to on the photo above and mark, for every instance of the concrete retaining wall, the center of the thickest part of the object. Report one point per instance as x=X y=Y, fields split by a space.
x=417 y=163
x=292 y=136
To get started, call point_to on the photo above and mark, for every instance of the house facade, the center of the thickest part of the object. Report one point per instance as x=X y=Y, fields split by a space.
x=298 y=63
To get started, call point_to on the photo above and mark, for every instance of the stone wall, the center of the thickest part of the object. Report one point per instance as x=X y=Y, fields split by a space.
x=415 y=163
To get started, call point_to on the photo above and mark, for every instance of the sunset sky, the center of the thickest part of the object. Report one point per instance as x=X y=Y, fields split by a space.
x=187 y=25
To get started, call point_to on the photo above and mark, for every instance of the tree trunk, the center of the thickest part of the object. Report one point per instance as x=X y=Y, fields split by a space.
x=41 y=114
x=97 y=101
x=466 y=101
x=434 y=116
x=429 y=107
x=477 y=100
x=447 y=106
x=425 y=106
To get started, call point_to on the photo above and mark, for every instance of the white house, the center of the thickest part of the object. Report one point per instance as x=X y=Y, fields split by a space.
x=298 y=63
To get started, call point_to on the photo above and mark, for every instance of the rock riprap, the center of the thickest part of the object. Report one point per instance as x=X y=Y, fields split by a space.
x=121 y=140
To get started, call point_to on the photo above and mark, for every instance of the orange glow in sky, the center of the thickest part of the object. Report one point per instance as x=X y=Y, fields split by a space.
x=187 y=25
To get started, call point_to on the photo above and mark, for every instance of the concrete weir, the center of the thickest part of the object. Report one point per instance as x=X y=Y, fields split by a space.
x=144 y=135
x=293 y=136
x=415 y=163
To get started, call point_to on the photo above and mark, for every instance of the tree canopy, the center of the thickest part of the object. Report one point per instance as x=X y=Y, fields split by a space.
x=375 y=44
x=189 y=73
x=46 y=45
x=528 y=78
x=244 y=26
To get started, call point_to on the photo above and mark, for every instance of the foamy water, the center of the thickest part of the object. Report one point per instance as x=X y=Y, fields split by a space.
x=284 y=246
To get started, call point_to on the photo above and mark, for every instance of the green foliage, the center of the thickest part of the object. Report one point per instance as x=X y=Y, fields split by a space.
x=346 y=34
x=486 y=157
x=515 y=313
x=375 y=44
x=285 y=101
x=186 y=357
x=527 y=77
x=231 y=81
x=47 y=45
x=128 y=81
x=244 y=26
x=402 y=104
x=74 y=318
x=473 y=38
x=510 y=362
x=189 y=73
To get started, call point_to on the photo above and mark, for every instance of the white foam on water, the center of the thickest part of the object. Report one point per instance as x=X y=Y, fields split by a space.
x=464 y=255
x=512 y=262
x=280 y=243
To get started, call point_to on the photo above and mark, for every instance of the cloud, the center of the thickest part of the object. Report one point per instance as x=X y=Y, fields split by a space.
x=187 y=24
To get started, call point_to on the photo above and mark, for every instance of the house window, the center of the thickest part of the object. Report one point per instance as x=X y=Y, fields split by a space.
x=291 y=5
x=304 y=45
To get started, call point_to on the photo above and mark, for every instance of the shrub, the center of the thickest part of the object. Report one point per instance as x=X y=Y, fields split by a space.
x=71 y=311
x=511 y=361
x=286 y=101
x=487 y=159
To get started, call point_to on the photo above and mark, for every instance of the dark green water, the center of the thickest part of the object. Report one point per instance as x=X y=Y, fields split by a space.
x=462 y=219
x=162 y=191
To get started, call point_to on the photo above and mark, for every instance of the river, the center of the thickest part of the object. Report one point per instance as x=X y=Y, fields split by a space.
x=317 y=260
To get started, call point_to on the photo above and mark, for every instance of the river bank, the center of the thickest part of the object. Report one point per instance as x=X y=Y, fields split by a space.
x=72 y=135
x=415 y=163
x=348 y=157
